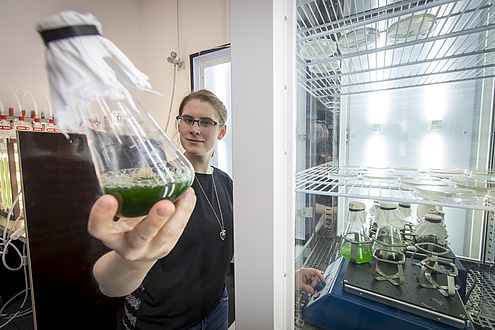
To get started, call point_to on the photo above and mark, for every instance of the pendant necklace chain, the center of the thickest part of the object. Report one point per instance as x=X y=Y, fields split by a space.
x=223 y=232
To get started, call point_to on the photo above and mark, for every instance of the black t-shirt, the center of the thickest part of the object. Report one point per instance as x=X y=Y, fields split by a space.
x=185 y=286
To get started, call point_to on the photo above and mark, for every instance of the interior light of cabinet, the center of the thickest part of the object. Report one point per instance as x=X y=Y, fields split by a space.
x=436 y=99
x=376 y=151
x=378 y=107
x=432 y=154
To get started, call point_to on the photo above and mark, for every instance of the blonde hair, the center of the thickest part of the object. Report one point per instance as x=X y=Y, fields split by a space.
x=206 y=96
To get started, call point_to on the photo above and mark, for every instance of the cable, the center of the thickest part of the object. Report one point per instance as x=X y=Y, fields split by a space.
x=9 y=214
x=4 y=254
x=26 y=291
x=9 y=301
x=171 y=98
x=8 y=238
x=174 y=63
x=178 y=28
x=468 y=293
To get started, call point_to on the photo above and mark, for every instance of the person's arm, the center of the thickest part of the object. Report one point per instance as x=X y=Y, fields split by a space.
x=136 y=242
x=118 y=277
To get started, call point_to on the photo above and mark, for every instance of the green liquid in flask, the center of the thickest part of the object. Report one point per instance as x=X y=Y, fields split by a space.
x=363 y=252
x=137 y=193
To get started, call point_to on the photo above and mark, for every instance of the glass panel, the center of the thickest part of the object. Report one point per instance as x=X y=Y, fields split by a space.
x=211 y=70
x=217 y=79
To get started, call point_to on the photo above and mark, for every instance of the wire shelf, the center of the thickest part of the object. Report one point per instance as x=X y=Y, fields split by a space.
x=382 y=185
x=354 y=46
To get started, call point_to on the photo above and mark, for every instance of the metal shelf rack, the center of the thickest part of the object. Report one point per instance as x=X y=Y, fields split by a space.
x=390 y=44
x=359 y=183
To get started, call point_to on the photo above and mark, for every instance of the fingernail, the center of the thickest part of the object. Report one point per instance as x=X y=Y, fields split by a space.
x=163 y=212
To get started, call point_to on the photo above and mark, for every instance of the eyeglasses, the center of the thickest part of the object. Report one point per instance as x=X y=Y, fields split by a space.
x=204 y=124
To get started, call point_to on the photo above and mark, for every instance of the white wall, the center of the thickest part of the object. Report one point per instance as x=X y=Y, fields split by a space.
x=202 y=25
x=22 y=59
x=145 y=30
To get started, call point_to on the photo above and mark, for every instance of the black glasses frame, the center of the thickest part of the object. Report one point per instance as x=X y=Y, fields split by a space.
x=180 y=118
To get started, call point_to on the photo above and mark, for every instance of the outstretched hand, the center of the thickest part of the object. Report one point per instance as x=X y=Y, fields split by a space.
x=144 y=238
x=307 y=279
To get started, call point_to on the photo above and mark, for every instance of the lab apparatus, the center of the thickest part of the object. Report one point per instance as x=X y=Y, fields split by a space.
x=405 y=91
x=90 y=78
x=356 y=245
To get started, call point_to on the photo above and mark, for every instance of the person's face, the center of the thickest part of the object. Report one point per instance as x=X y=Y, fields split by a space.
x=194 y=139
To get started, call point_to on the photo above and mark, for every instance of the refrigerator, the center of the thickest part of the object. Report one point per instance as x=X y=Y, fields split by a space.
x=398 y=108
x=372 y=102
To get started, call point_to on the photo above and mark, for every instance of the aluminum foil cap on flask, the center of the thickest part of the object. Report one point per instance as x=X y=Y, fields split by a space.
x=133 y=157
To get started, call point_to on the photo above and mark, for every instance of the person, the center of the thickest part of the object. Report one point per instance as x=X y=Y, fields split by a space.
x=307 y=279
x=171 y=265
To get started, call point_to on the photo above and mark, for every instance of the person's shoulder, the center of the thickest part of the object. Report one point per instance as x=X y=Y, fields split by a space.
x=221 y=174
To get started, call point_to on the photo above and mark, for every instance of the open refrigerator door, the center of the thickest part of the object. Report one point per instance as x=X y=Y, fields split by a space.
x=395 y=104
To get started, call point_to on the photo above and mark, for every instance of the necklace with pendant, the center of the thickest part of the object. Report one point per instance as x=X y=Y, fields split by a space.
x=223 y=232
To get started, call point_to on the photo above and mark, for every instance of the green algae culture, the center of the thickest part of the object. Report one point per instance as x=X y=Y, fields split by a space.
x=137 y=190
x=363 y=252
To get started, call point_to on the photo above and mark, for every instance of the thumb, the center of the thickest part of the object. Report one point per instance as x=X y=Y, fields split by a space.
x=102 y=214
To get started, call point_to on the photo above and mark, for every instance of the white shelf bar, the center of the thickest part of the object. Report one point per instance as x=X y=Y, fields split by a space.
x=458 y=47
x=324 y=180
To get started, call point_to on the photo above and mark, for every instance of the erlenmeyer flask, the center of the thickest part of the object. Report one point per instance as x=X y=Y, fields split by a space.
x=405 y=209
x=134 y=159
x=356 y=246
x=388 y=239
x=432 y=230
x=89 y=78
x=408 y=231
x=425 y=209
x=373 y=227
